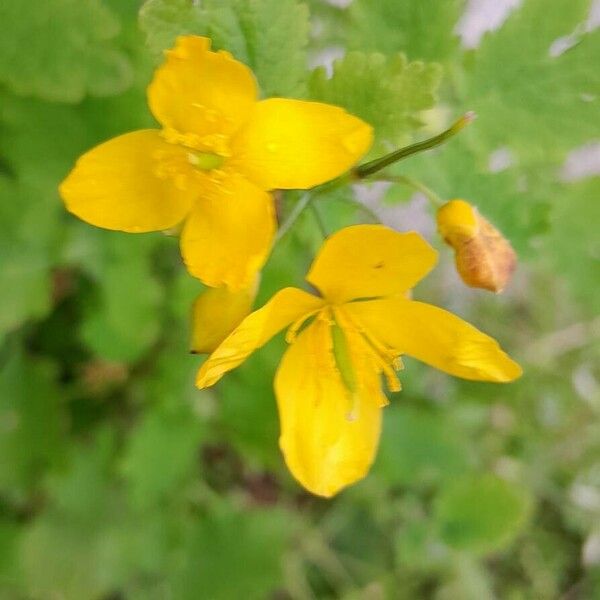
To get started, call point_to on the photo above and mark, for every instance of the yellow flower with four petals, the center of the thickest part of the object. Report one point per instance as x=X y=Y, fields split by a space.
x=211 y=166
x=328 y=387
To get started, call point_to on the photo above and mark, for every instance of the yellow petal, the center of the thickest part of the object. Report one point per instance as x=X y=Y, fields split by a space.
x=484 y=257
x=216 y=313
x=325 y=447
x=296 y=144
x=115 y=186
x=199 y=91
x=366 y=261
x=228 y=236
x=435 y=337
x=285 y=307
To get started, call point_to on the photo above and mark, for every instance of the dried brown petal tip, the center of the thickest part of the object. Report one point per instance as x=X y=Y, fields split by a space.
x=484 y=257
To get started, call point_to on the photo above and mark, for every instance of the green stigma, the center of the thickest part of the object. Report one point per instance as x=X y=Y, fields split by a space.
x=343 y=361
x=205 y=161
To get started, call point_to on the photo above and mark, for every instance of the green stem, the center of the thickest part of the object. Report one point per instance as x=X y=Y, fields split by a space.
x=373 y=166
x=298 y=209
x=415 y=185
x=364 y=208
x=305 y=201
x=319 y=220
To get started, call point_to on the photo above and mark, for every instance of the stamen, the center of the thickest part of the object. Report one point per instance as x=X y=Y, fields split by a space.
x=385 y=359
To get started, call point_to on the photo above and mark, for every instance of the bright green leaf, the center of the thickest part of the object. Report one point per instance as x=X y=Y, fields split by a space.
x=537 y=104
x=423 y=29
x=387 y=92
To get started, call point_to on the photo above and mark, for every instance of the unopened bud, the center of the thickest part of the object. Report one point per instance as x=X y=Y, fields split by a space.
x=484 y=257
x=216 y=313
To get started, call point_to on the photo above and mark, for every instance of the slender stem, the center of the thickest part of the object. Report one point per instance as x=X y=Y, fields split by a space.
x=319 y=220
x=373 y=166
x=306 y=199
x=416 y=185
x=298 y=209
x=365 y=209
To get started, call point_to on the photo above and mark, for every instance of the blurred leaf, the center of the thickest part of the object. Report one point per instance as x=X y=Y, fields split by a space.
x=31 y=421
x=126 y=322
x=481 y=514
x=63 y=51
x=419 y=447
x=270 y=36
x=536 y=103
x=9 y=540
x=573 y=246
x=233 y=555
x=41 y=140
x=28 y=242
x=161 y=454
x=76 y=549
x=248 y=409
x=414 y=544
x=387 y=92
x=469 y=581
x=423 y=29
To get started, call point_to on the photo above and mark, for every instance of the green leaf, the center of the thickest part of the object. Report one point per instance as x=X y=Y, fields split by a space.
x=77 y=548
x=28 y=247
x=31 y=418
x=481 y=514
x=125 y=321
x=233 y=555
x=387 y=92
x=248 y=409
x=419 y=447
x=64 y=51
x=572 y=249
x=537 y=104
x=41 y=140
x=424 y=30
x=161 y=454
x=269 y=35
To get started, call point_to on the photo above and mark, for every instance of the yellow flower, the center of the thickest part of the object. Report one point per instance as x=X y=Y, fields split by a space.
x=211 y=166
x=328 y=384
x=216 y=313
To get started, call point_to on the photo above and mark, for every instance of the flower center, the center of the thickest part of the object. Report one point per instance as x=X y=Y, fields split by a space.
x=205 y=161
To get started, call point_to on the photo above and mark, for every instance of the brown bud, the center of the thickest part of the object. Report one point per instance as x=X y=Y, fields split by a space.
x=484 y=257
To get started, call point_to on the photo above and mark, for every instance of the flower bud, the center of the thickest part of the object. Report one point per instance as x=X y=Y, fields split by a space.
x=216 y=313
x=484 y=257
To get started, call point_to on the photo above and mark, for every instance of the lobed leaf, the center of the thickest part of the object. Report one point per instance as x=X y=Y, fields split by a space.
x=388 y=92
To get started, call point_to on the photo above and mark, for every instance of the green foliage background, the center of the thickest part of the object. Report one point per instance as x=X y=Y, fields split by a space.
x=120 y=480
